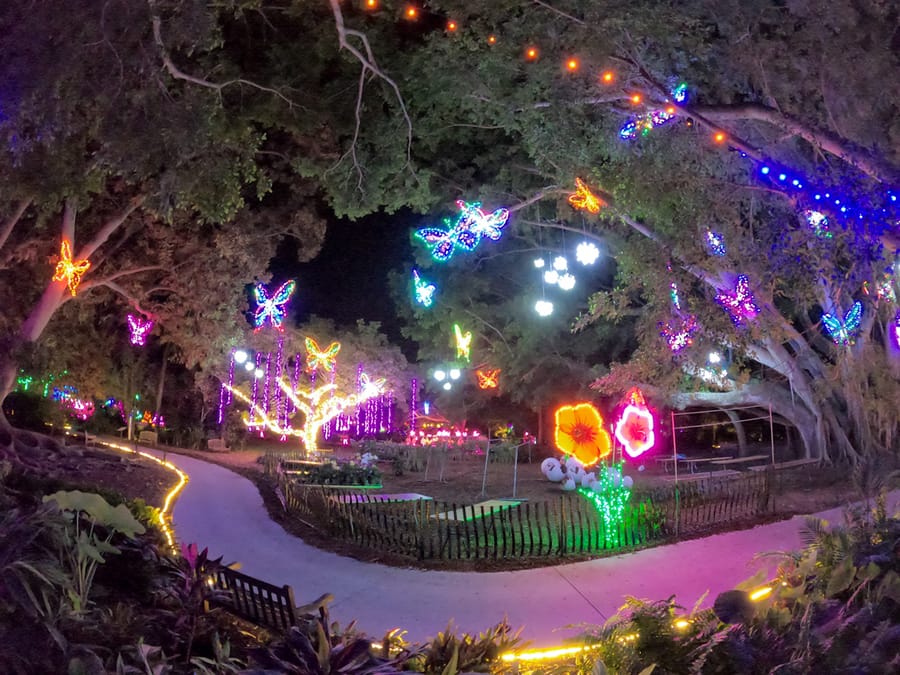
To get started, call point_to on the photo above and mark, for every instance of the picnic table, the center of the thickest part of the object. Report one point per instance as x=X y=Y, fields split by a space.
x=691 y=462
x=737 y=461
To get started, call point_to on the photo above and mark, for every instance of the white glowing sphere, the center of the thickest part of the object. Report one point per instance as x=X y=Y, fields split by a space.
x=715 y=357
x=628 y=481
x=447 y=386
x=440 y=375
x=240 y=356
x=551 y=276
x=259 y=372
x=566 y=281
x=248 y=366
x=539 y=262
x=543 y=307
x=454 y=373
x=560 y=264
x=587 y=253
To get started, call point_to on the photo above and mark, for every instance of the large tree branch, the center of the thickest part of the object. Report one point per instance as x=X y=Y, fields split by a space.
x=118 y=275
x=368 y=63
x=179 y=74
x=13 y=220
x=133 y=301
x=111 y=226
x=827 y=141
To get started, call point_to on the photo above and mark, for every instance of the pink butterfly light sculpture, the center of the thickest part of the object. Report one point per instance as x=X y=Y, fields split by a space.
x=740 y=304
x=139 y=327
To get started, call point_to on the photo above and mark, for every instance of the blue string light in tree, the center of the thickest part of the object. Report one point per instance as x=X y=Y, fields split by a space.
x=424 y=291
x=844 y=332
x=641 y=125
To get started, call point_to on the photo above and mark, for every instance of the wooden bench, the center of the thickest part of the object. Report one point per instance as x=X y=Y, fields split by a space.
x=259 y=602
x=148 y=438
x=216 y=445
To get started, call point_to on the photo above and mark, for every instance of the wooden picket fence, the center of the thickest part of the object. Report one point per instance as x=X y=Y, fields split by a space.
x=569 y=525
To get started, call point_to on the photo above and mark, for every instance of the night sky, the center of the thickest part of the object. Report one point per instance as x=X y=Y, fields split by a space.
x=348 y=279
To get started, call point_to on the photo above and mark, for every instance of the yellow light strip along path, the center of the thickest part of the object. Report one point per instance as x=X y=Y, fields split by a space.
x=170 y=497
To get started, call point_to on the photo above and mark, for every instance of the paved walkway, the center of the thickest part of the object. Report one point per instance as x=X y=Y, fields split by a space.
x=225 y=512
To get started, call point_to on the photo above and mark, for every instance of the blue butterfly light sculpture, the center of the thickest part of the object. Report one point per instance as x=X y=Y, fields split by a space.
x=843 y=332
x=271 y=309
x=424 y=290
x=471 y=225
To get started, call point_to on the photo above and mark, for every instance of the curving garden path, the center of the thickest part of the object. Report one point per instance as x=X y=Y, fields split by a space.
x=224 y=511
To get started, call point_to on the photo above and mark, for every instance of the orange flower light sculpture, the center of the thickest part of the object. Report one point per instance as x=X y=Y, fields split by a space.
x=579 y=432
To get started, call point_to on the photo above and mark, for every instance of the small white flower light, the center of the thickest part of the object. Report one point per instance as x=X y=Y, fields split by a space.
x=587 y=253
x=248 y=366
x=560 y=264
x=454 y=373
x=539 y=262
x=240 y=356
x=551 y=276
x=447 y=386
x=714 y=357
x=566 y=281
x=543 y=307
x=440 y=375
x=259 y=373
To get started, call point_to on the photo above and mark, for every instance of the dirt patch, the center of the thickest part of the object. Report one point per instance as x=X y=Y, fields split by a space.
x=57 y=463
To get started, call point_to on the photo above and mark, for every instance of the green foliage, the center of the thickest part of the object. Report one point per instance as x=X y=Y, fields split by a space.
x=450 y=654
x=342 y=473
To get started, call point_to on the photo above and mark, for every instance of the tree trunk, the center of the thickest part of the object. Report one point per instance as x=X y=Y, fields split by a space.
x=160 y=388
x=739 y=431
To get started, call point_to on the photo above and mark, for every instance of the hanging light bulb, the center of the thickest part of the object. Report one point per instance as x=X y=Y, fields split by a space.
x=248 y=366
x=566 y=281
x=551 y=276
x=259 y=372
x=560 y=264
x=539 y=262
x=240 y=356
x=587 y=253
x=455 y=373
x=440 y=375
x=543 y=308
x=447 y=386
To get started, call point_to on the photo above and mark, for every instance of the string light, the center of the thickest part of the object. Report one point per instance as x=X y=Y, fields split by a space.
x=583 y=198
x=560 y=264
x=572 y=65
x=715 y=243
x=610 y=496
x=411 y=12
x=608 y=77
x=488 y=378
x=463 y=342
x=321 y=358
x=551 y=277
x=451 y=26
x=543 y=308
x=740 y=304
x=539 y=263
x=272 y=309
x=443 y=242
x=531 y=54
x=896 y=330
x=844 y=332
x=424 y=291
x=69 y=270
x=492 y=39
x=587 y=253
x=719 y=137
x=371 y=4
x=139 y=329
x=644 y=124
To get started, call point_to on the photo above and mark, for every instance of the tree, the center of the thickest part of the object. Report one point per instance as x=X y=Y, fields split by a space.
x=768 y=87
x=176 y=201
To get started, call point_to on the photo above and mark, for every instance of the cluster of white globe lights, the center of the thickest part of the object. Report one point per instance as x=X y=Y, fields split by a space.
x=447 y=377
x=558 y=275
x=242 y=357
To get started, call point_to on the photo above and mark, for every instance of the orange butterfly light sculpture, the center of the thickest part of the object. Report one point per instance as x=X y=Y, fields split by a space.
x=583 y=198
x=488 y=378
x=68 y=270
